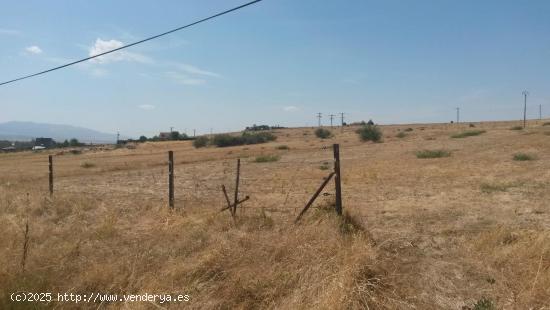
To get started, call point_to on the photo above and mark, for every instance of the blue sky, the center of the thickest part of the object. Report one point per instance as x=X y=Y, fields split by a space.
x=277 y=62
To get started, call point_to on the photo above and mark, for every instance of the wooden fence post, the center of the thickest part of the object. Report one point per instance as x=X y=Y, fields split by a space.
x=337 y=179
x=237 y=186
x=50 y=160
x=25 y=246
x=171 y=179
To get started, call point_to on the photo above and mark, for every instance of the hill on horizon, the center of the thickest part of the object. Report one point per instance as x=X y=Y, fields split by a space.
x=26 y=131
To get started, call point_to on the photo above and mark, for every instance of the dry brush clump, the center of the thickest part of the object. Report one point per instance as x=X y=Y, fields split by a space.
x=323 y=133
x=370 y=133
x=401 y=135
x=468 y=133
x=432 y=154
x=87 y=245
x=523 y=157
x=266 y=158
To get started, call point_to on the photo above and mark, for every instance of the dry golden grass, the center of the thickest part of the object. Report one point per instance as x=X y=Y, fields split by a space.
x=425 y=234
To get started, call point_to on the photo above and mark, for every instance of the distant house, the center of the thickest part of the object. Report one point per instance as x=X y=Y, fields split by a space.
x=8 y=149
x=45 y=142
x=173 y=135
x=165 y=135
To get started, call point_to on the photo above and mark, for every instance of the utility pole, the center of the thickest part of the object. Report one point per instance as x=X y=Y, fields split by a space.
x=540 y=111
x=457 y=115
x=171 y=129
x=194 y=132
x=117 y=137
x=525 y=94
x=331 y=118
x=319 y=117
x=342 y=120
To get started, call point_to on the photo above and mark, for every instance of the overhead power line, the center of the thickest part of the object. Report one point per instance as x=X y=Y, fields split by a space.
x=132 y=44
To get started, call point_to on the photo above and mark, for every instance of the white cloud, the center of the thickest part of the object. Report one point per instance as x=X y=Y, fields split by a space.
x=9 y=32
x=189 y=75
x=180 y=73
x=34 y=50
x=290 y=108
x=184 y=78
x=196 y=71
x=147 y=107
x=100 y=46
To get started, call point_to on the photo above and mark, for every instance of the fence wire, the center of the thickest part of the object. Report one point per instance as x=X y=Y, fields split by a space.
x=282 y=186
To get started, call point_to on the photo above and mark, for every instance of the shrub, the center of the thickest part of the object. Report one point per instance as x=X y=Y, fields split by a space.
x=523 y=157
x=401 y=135
x=472 y=125
x=223 y=140
x=409 y=129
x=75 y=152
x=495 y=187
x=323 y=133
x=516 y=128
x=201 y=141
x=324 y=166
x=370 y=133
x=433 y=154
x=468 y=133
x=484 y=304
x=283 y=147
x=546 y=124
x=87 y=164
x=260 y=137
x=266 y=158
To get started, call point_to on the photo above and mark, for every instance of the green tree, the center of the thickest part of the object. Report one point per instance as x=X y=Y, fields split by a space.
x=142 y=139
x=74 y=142
x=174 y=135
x=201 y=141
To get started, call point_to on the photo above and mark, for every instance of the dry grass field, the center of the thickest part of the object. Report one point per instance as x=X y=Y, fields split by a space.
x=468 y=230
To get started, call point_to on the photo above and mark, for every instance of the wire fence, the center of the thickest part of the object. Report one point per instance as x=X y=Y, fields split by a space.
x=280 y=186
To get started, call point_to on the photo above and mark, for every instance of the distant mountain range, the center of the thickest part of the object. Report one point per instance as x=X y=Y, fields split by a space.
x=26 y=131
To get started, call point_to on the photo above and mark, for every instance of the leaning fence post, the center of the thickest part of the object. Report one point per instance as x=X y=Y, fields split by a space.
x=228 y=202
x=50 y=160
x=337 y=179
x=312 y=199
x=171 y=179
x=237 y=186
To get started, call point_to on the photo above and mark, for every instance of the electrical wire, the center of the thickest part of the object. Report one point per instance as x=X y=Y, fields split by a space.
x=132 y=44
